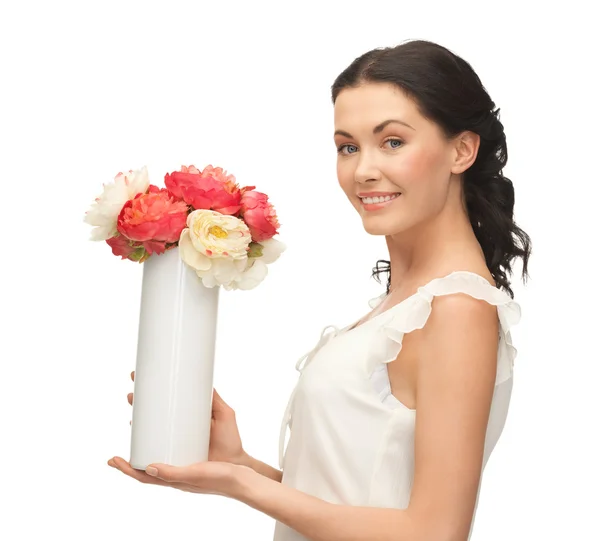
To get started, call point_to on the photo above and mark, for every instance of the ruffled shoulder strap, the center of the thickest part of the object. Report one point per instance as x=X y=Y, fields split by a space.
x=413 y=313
x=477 y=286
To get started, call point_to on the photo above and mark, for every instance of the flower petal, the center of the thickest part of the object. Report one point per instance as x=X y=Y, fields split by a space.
x=272 y=249
x=254 y=275
x=190 y=255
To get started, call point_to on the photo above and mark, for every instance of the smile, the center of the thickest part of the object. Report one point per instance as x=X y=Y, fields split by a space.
x=380 y=199
x=378 y=202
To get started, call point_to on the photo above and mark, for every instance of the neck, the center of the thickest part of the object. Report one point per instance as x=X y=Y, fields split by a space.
x=433 y=247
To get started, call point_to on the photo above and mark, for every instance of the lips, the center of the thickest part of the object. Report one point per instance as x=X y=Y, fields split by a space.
x=369 y=204
x=379 y=199
x=376 y=194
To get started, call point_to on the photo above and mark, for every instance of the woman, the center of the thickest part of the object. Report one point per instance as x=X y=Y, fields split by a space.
x=395 y=416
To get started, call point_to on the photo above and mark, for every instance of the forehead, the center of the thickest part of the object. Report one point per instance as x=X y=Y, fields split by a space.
x=372 y=103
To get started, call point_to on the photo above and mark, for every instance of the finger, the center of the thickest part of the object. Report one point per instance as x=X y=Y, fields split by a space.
x=130 y=398
x=153 y=481
x=133 y=376
x=219 y=405
x=217 y=395
x=141 y=476
x=170 y=474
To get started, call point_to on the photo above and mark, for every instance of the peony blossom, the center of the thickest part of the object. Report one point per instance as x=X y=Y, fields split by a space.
x=243 y=273
x=226 y=272
x=153 y=219
x=259 y=215
x=214 y=271
x=254 y=273
x=223 y=232
x=209 y=189
x=104 y=212
x=223 y=272
x=259 y=256
x=127 y=249
x=256 y=270
x=214 y=235
x=219 y=174
x=215 y=246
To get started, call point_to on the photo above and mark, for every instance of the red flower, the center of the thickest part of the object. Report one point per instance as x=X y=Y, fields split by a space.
x=122 y=246
x=210 y=189
x=259 y=215
x=153 y=219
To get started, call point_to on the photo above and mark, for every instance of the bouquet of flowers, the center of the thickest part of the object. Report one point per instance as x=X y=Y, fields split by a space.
x=224 y=235
x=224 y=232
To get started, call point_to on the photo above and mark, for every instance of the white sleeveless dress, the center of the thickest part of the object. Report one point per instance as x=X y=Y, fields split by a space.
x=351 y=441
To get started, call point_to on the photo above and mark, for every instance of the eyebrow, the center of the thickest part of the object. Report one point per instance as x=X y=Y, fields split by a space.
x=377 y=128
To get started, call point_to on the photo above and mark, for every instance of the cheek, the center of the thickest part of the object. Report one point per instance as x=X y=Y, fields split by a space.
x=345 y=177
x=417 y=168
x=414 y=164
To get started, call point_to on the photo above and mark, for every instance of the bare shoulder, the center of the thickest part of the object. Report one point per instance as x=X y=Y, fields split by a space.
x=458 y=317
x=460 y=310
x=456 y=372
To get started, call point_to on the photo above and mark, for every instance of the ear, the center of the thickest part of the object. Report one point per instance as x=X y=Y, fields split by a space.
x=465 y=151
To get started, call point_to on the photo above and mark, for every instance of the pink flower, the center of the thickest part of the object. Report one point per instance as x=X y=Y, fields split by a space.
x=127 y=249
x=220 y=175
x=259 y=215
x=209 y=189
x=153 y=219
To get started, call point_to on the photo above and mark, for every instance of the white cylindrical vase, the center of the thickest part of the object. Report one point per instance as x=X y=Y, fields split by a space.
x=174 y=368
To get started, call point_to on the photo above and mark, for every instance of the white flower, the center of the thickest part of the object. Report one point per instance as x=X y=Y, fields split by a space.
x=213 y=270
x=223 y=272
x=256 y=270
x=217 y=235
x=105 y=210
x=215 y=246
x=254 y=274
x=271 y=250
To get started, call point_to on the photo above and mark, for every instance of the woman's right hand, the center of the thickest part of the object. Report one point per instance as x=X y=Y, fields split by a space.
x=225 y=441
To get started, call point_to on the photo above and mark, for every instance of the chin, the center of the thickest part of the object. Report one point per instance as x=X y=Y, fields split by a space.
x=382 y=227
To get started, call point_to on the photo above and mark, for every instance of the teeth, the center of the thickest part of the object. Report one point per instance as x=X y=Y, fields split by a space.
x=380 y=199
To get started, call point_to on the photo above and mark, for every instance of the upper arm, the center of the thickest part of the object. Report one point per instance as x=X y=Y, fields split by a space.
x=456 y=372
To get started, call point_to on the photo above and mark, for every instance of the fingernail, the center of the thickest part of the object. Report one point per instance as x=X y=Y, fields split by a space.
x=152 y=471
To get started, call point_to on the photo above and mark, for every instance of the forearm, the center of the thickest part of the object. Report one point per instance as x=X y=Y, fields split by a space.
x=318 y=520
x=262 y=468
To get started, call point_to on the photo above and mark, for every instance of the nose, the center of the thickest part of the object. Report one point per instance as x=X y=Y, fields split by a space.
x=366 y=170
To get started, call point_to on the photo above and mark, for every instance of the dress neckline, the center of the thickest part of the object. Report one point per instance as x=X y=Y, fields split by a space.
x=356 y=325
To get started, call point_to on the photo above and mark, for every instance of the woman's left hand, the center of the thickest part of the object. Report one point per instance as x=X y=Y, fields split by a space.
x=220 y=478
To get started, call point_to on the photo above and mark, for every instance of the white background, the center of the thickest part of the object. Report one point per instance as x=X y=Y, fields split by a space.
x=92 y=88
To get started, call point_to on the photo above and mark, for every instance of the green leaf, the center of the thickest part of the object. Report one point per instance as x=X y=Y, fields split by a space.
x=139 y=254
x=255 y=249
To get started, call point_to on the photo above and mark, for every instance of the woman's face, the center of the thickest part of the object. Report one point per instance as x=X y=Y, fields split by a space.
x=385 y=148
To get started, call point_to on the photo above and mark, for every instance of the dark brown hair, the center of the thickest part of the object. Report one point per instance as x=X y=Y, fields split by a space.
x=448 y=92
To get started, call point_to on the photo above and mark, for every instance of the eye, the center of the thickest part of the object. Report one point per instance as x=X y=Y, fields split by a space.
x=342 y=147
x=394 y=140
